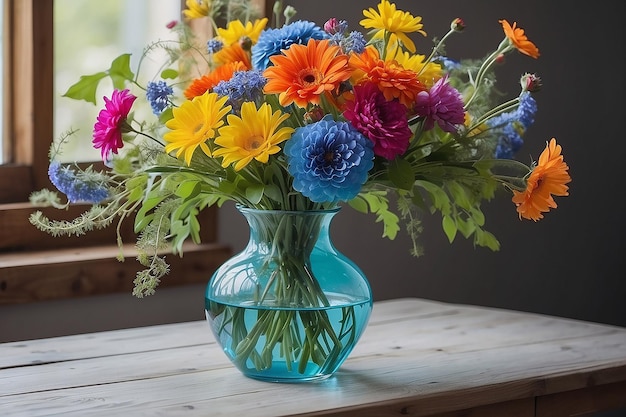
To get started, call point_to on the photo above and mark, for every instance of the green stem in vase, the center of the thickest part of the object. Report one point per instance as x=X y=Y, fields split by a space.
x=289 y=240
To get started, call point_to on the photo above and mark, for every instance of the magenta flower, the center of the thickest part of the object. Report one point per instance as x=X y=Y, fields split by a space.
x=442 y=104
x=111 y=123
x=383 y=122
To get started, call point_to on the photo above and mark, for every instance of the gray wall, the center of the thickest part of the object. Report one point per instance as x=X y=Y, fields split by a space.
x=569 y=264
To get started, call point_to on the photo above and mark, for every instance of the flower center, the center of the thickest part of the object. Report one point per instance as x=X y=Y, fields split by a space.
x=254 y=143
x=201 y=131
x=309 y=76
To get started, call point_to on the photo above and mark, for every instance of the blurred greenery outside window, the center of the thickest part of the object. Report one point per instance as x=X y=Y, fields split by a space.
x=89 y=34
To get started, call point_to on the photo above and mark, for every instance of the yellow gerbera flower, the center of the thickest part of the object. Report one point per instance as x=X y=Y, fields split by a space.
x=236 y=30
x=254 y=135
x=396 y=22
x=194 y=123
x=197 y=8
x=427 y=74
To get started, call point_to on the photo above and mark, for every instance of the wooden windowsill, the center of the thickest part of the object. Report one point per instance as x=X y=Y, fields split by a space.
x=76 y=272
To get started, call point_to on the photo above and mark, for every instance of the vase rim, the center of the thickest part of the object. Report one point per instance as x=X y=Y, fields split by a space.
x=243 y=208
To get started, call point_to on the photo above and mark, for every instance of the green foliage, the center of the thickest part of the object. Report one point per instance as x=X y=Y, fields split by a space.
x=376 y=202
x=401 y=173
x=457 y=197
x=87 y=85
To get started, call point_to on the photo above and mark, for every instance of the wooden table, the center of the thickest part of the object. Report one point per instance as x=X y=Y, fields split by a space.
x=417 y=358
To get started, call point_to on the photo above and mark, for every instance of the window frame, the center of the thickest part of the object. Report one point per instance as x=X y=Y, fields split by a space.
x=28 y=99
x=35 y=266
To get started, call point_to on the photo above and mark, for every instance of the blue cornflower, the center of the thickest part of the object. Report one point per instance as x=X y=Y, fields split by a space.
x=79 y=187
x=354 y=42
x=511 y=126
x=214 y=45
x=273 y=41
x=526 y=110
x=509 y=141
x=448 y=64
x=157 y=94
x=329 y=160
x=243 y=86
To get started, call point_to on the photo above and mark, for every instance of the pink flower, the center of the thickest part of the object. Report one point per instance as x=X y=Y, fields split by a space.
x=442 y=104
x=383 y=122
x=111 y=123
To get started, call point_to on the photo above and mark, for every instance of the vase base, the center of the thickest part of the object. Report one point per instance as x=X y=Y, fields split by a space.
x=290 y=380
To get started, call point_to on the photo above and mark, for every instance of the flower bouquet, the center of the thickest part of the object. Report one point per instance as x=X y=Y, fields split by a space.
x=293 y=118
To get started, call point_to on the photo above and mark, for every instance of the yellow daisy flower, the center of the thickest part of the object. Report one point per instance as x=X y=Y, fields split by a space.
x=197 y=8
x=194 y=123
x=396 y=22
x=236 y=30
x=254 y=135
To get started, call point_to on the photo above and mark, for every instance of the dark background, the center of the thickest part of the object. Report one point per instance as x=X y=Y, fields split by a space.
x=569 y=264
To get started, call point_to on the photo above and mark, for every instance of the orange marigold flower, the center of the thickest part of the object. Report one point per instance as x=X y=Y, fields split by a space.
x=206 y=83
x=305 y=72
x=392 y=79
x=518 y=39
x=548 y=178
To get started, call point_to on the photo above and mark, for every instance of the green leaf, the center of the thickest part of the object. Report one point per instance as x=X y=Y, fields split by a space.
x=120 y=71
x=136 y=186
x=142 y=219
x=254 y=193
x=477 y=216
x=188 y=189
x=465 y=227
x=227 y=187
x=169 y=74
x=379 y=205
x=85 y=88
x=358 y=204
x=401 y=174
x=459 y=195
x=449 y=227
x=273 y=191
x=439 y=198
x=484 y=238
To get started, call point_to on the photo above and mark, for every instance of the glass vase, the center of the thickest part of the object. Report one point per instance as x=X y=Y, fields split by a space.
x=289 y=307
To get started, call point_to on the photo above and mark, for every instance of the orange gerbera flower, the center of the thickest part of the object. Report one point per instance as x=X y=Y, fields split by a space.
x=206 y=83
x=547 y=179
x=305 y=72
x=233 y=53
x=392 y=79
x=519 y=40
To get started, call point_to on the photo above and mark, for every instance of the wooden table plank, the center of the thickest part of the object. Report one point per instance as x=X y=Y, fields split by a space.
x=417 y=357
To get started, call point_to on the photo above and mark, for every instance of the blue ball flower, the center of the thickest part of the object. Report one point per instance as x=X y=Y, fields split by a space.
x=273 y=41
x=329 y=160
x=78 y=187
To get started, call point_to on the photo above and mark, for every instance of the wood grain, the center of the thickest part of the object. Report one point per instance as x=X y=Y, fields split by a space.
x=417 y=358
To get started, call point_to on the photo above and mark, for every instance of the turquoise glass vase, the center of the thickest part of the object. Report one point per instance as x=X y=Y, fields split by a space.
x=289 y=307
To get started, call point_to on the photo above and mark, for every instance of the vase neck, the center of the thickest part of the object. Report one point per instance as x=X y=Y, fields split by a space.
x=293 y=232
